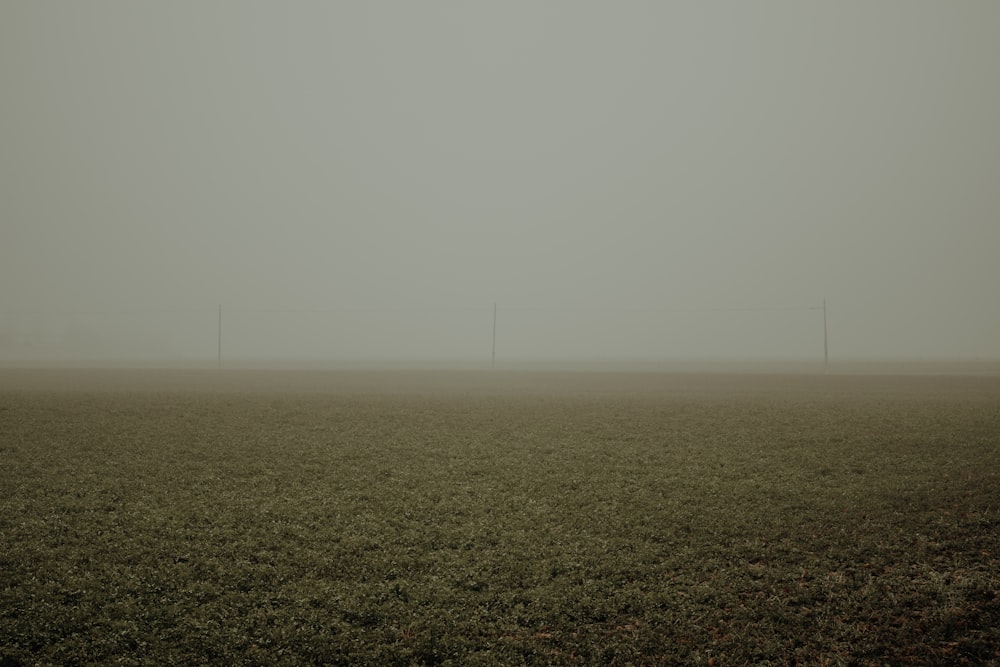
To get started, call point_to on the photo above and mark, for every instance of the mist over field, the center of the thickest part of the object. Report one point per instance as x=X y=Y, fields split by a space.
x=360 y=183
x=393 y=190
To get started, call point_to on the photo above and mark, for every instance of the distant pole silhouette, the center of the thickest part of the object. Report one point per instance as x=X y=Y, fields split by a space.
x=220 y=336
x=826 y=352
x=493 y=358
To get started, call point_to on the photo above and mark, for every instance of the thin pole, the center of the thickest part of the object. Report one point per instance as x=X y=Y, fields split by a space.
x=826 y=351
x=493 y=359
x=220 y=335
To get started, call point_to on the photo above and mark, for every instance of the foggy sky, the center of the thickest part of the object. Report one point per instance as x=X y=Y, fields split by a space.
x=600 y=170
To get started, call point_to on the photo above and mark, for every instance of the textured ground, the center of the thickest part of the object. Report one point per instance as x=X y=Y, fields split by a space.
x=296 y=517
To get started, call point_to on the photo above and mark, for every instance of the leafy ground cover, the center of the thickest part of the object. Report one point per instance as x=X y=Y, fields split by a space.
x=740 y=523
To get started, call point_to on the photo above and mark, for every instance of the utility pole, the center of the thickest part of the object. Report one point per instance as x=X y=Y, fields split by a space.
x=220 y=336
x=826 y=351
x=493 y=359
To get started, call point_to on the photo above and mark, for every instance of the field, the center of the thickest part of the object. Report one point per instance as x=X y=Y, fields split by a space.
x=268 y=518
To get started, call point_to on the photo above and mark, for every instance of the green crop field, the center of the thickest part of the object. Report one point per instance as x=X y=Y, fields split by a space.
x=493 y=519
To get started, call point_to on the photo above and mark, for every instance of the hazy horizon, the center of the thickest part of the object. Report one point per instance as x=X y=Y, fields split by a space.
x=627 y=182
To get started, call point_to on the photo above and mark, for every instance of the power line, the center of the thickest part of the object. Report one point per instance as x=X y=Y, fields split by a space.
x=420 y=309
x=548 y=309
x=145 y=311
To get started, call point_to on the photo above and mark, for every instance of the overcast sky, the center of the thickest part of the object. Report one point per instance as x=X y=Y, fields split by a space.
x=555 y=155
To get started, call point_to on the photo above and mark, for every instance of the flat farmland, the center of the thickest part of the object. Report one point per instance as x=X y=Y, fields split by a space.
x=277 y=517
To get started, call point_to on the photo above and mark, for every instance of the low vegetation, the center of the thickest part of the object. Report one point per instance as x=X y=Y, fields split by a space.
x=481 y=529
